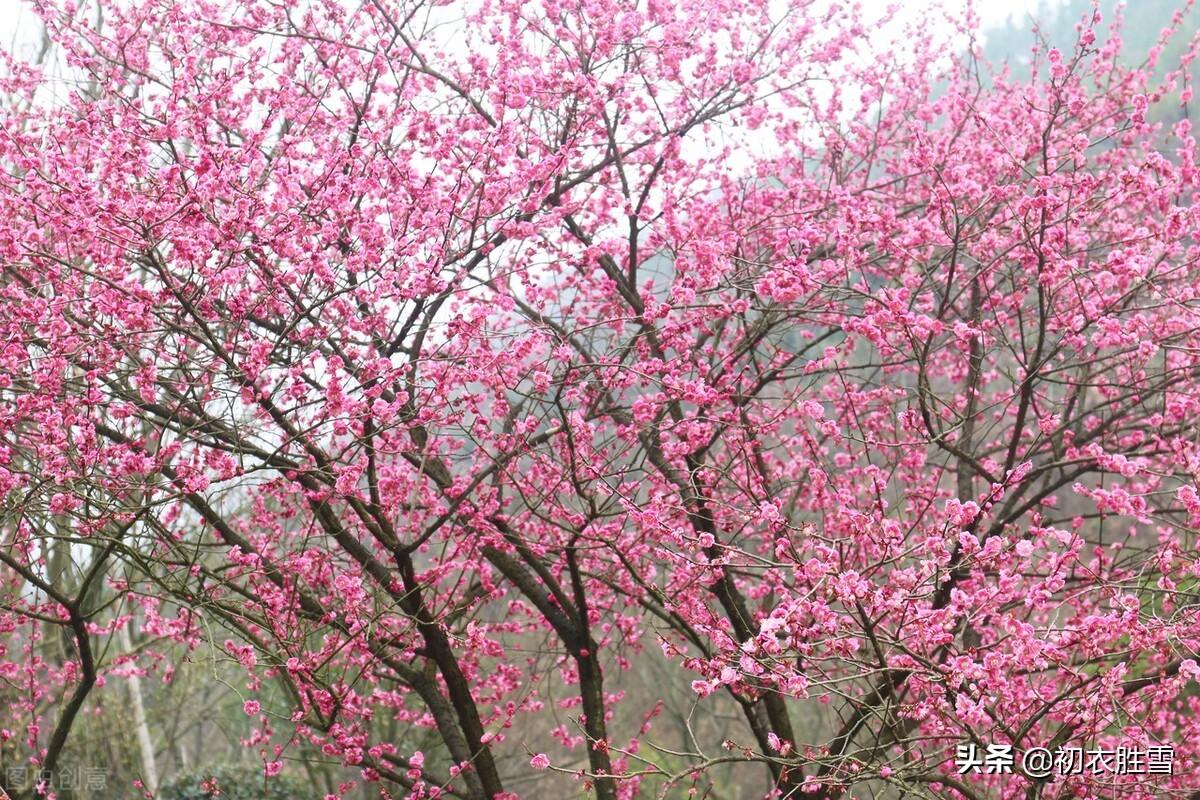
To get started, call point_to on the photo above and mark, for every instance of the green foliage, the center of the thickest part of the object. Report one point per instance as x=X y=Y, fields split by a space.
x=1140 y=29
x=233 y=783
x=1141 y=26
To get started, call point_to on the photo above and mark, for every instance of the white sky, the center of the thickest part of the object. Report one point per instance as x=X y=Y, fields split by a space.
x=996 y=12
x=19 y=28
x=20 y=31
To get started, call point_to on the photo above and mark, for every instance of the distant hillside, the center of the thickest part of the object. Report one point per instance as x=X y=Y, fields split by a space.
x=1141 y=25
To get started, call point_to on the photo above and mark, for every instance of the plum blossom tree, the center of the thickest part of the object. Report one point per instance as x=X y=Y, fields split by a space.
x=456 y=361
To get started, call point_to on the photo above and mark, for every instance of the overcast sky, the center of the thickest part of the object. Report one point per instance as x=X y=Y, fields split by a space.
x=18 y=27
